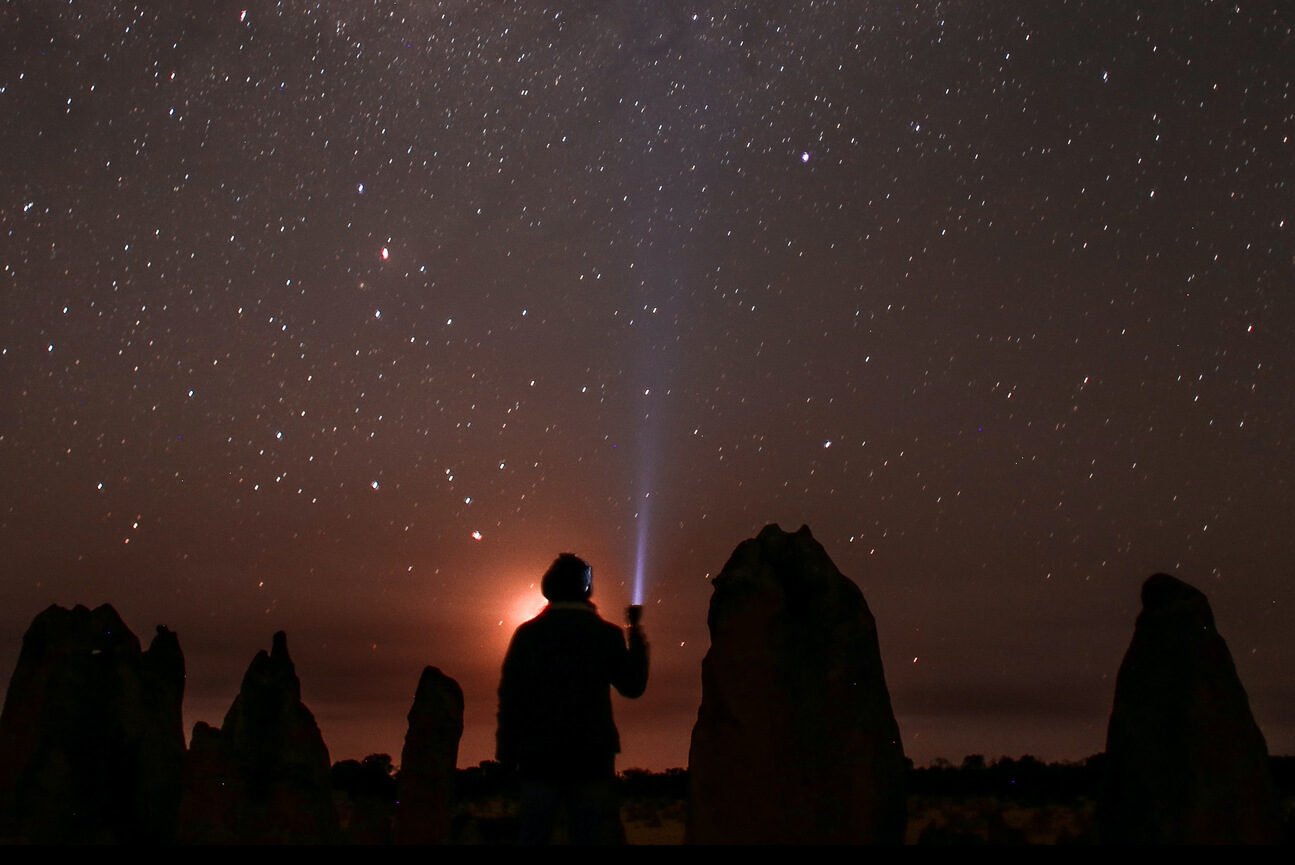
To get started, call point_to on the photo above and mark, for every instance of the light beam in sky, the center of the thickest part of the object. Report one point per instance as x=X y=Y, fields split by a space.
x=646 y=457
x=646 y=446
x=640 y=556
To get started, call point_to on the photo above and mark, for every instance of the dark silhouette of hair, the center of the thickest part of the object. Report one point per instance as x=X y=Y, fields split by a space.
x=569 y=578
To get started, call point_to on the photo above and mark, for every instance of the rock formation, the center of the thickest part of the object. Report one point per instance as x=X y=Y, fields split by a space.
x=91 y=738
x=795 y=741
x=364 y=792
x=428 y=760
x=1186 y=763
x=263 y=777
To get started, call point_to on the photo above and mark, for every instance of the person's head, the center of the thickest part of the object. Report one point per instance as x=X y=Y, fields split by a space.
x=569 y=578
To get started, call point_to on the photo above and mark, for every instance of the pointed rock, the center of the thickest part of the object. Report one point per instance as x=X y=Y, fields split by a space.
x=428 y=760
x=91 y=742
x=263 y=778
x=795 y=741
x=211 y=800
x=1186 y=763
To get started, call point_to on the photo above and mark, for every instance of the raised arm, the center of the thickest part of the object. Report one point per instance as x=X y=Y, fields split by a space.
x=631 y=679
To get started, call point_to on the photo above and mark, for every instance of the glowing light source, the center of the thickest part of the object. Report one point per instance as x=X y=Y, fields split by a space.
x=527 y=606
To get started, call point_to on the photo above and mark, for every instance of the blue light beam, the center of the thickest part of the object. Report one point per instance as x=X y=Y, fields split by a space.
x=640 y=555
x=647 y=444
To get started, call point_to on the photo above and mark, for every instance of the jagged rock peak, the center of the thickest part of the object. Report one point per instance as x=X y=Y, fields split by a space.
x=1164 y=595
x=272 y=673
x=263 y=778
x=81 y=629
x=438 y=693
x=99 y=723
x=792 y=563
x=279 y=648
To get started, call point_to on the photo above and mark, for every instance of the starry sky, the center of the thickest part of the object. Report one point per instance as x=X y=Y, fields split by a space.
x=344 y=318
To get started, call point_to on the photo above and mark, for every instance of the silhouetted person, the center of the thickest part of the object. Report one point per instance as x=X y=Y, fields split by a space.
x=555 y=708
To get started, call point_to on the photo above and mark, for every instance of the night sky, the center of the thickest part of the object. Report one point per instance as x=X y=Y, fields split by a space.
x=345 y=318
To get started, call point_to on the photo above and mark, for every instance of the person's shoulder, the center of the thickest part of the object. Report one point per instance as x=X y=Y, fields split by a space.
x=596 y=619
x=529 y=629
x=582 y=614
x=611 y=631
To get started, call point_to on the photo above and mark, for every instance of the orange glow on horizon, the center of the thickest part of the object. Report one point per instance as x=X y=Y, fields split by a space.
x=524 y=607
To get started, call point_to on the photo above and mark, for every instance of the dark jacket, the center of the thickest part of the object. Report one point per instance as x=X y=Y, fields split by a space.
x=555 y=708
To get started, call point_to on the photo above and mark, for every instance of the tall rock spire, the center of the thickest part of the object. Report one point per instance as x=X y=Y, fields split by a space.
x=795 y=740
x=1186 y=762
x=428 y=760
x=263 y=777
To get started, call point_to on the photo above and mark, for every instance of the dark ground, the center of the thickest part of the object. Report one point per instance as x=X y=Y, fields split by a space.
x=1005 y=802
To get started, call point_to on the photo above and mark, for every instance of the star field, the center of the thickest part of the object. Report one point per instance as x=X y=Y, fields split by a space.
x=345 y=318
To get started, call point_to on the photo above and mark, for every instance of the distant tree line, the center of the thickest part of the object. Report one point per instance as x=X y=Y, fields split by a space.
x=1025 y=780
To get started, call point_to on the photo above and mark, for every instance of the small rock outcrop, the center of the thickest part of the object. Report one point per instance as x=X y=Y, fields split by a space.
x=263 y=777
x=1186 y=763
x=428 y=760
x=795 y=740
x=91 y=738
